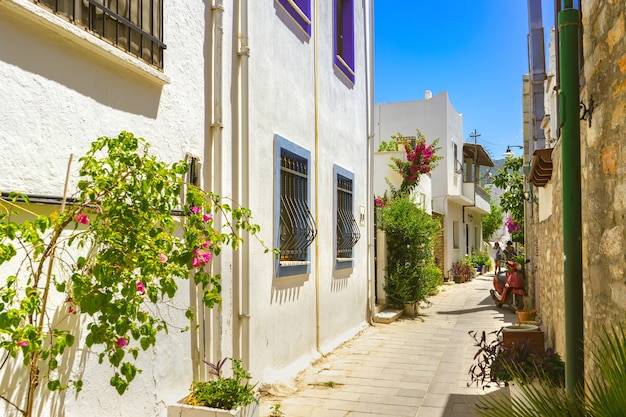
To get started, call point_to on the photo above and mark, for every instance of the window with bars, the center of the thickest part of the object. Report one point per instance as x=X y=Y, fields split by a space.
x=344 y=37
x=296 y=226
x=135 y=26
x=299 y=11
x=347 y=229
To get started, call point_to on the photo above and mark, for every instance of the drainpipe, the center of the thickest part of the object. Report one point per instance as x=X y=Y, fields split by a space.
x=569 y=26
x=371 y=212
x=241 y=264
x=316 y=170
x=205 y=347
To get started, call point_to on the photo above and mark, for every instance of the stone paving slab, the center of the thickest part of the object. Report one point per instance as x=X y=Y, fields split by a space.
x=413 y=367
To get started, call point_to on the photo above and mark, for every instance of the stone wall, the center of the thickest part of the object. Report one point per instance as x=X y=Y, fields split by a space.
x=603 y=164
x=545 y=270
x=603 y=152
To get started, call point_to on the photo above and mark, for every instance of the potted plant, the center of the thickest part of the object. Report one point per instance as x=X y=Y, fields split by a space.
x=479 y=260
x=498 y=364
x=219 y=397
x=528 y=314
x=457 y=272
x=603 y=395
x=463 y=268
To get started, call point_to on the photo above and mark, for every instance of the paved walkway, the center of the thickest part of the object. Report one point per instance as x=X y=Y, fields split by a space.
x=411 y=367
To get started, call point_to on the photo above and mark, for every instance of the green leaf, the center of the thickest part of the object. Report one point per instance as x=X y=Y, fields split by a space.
x=54 y=384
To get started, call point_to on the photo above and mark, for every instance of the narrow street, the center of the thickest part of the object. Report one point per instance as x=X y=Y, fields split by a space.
x=412 y=367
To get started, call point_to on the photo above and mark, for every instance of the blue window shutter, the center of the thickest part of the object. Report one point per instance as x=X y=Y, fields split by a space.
x=300 y=12
x=344 y=37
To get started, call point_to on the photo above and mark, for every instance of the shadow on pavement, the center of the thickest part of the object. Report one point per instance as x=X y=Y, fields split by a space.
x=467 y=310
x=465 y=405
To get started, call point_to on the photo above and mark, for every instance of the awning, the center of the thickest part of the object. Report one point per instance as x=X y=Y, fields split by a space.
x=541 y=167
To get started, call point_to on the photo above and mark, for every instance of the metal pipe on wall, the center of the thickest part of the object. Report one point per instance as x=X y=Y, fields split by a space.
x=569 y=97
x=241 y=280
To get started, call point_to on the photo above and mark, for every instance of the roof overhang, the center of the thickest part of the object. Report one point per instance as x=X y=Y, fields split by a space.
x=482 y=158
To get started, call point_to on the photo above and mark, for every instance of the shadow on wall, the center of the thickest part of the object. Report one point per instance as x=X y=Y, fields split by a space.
x=14 y=374
x=287 y=289
x=38 y=50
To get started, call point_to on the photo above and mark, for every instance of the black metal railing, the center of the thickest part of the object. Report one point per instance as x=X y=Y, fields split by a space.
x=135 y=26
x=348 y=233
x=297 y=226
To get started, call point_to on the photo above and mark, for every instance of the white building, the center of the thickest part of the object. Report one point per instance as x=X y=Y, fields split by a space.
x=241 y=86
x=456 y=194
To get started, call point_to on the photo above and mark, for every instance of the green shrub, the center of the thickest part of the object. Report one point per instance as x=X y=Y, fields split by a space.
x=479 y=258
x=411 y=271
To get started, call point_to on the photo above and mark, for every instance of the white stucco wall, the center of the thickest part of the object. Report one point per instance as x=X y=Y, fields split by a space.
x=436 y=118
x=60 y=92
x=65 y=89
x=285 y=311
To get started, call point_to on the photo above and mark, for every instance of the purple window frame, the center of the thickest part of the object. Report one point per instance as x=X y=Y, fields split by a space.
x=344 y=37
x=300 y=11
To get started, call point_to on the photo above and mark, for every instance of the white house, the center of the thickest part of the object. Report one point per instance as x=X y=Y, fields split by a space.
x=456 y=193
x=272 y=100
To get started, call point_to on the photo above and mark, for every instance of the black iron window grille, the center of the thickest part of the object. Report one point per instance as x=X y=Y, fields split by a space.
x=297 y=226
x=135 y=26
x=347 y=228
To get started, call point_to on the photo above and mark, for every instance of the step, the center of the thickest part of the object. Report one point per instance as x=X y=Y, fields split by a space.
x=387 y=316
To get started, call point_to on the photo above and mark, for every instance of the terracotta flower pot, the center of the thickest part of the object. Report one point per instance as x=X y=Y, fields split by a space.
x=526 y=316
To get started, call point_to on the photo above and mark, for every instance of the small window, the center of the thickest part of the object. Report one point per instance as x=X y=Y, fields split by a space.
x=347 y=229
x=344 y=37
x=300 y=12
x=295 y=226
x=135 y=26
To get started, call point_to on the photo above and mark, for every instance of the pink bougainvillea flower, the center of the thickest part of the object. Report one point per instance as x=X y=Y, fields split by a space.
x=122 y=342
x=82 y=218
x=195 y=209
x=379 y=203
x=70 y=309
x=195 y=262
x=203 y=257
x=163 y=258
x=207 y=217
x=140 y=287
x=206 y=244
x=22 y=343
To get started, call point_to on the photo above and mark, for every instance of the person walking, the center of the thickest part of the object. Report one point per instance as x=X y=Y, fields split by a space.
x=497 y=257
x=509 y=251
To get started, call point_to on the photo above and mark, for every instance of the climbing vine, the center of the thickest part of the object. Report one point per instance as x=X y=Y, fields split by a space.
x=117 y=248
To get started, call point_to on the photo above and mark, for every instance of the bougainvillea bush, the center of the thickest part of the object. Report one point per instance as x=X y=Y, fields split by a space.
x=112 y=253
x=420 y=159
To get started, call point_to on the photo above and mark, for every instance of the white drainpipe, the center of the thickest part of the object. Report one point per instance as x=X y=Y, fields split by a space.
x=371 y=212
x=241 y=155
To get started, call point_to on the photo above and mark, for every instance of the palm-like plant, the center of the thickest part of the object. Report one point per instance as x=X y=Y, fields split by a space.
x=605 y=395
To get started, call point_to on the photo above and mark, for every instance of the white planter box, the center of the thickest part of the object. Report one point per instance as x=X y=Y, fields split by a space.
x=185 y=410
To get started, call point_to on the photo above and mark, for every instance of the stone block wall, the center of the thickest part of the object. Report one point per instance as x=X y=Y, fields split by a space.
x=545 y=271
x=603 y=163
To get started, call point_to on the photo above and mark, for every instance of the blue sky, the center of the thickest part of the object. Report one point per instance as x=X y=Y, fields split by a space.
x=476 y=50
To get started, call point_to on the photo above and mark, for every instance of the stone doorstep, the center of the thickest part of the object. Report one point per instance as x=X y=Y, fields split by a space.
x=387 y=316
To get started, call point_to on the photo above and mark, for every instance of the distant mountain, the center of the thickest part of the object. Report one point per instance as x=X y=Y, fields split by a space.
x=488 y=179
